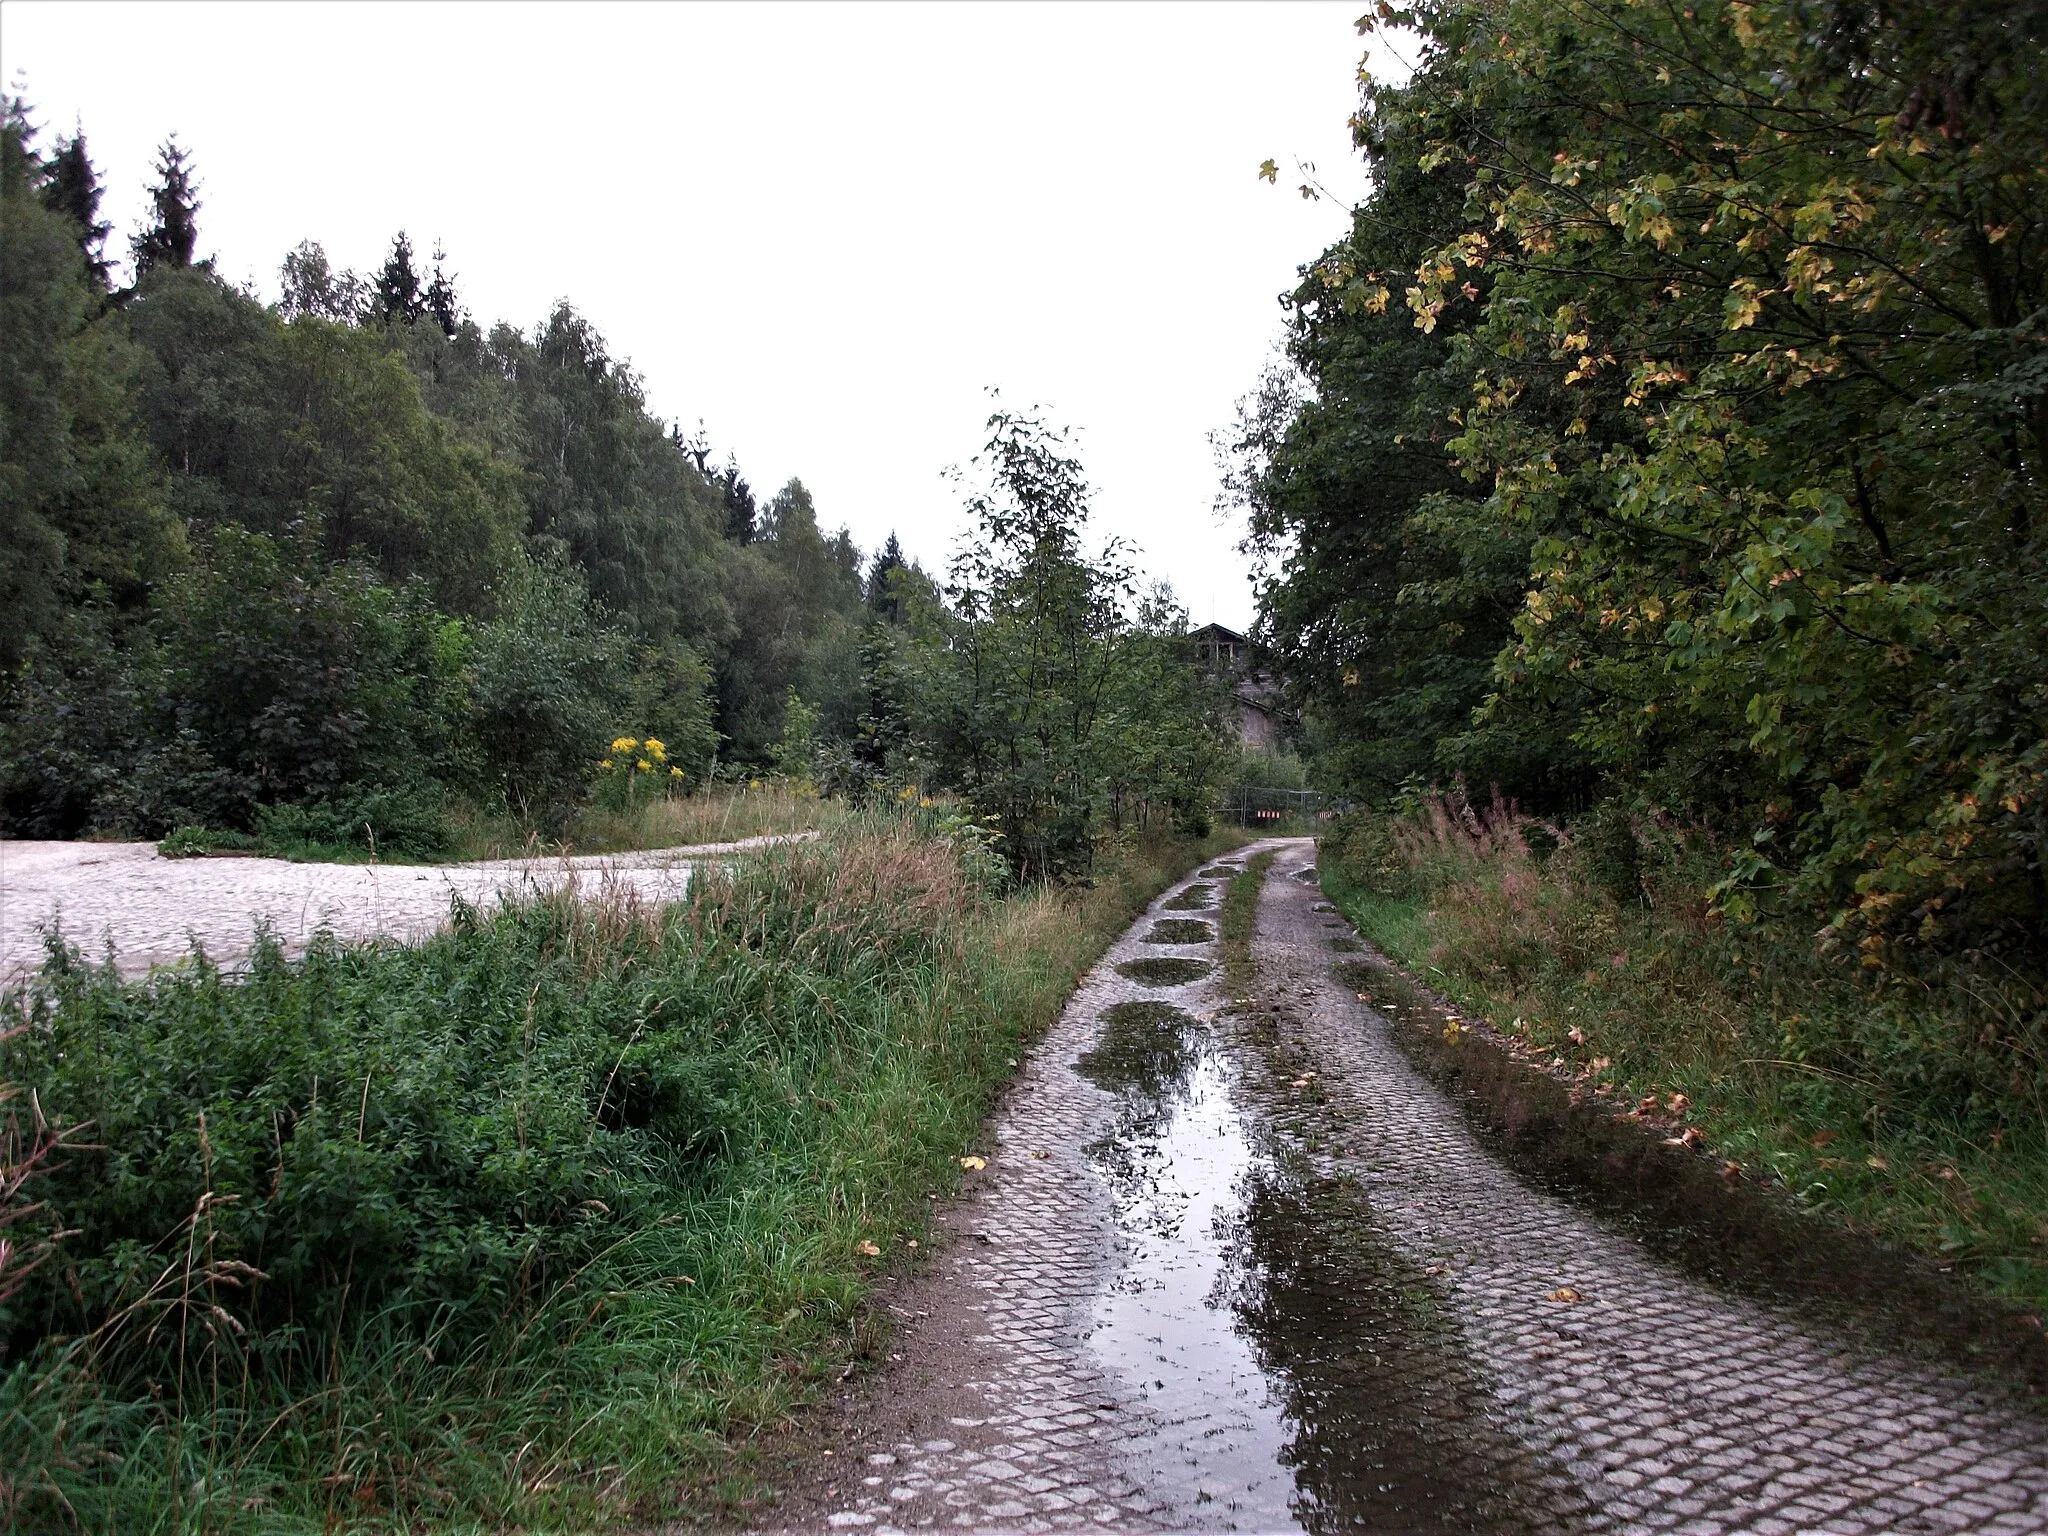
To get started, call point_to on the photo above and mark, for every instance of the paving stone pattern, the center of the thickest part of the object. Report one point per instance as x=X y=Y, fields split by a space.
x=150 y=910
x=1653 y=1402
x=1053 y=1449
x=1674 y=1406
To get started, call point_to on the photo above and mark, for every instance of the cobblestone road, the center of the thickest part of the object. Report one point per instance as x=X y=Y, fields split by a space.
x=152 y=909
x=1279 y=1285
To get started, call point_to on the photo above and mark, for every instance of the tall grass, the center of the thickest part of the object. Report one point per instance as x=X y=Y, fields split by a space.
x=1240 y=916
x=1906 y=1104
x=718 y=813
x=529 y=1224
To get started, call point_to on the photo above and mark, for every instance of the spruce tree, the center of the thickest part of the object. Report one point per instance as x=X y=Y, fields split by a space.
x=72 y=187
x=396 y=297
x=440 y=296
x=740 y=515
x=173 y=235
x=883 y=601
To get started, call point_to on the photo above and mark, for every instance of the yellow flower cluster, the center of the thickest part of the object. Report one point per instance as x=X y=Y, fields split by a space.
x=648 y=756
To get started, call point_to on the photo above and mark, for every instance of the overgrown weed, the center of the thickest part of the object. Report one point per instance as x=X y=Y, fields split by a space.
x=716 y=813
x=1909 y=1105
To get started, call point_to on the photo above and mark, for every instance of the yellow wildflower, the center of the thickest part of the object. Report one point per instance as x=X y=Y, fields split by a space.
x=908 y=792
x=625 y=744
x=606 y=763
x=656 y=750
x=644 y=766
x=675 y=773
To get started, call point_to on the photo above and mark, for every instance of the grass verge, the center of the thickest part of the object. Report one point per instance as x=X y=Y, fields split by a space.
x=530 y=1225
x=1240 y=915
x=1898 y=1110
x=718 y=813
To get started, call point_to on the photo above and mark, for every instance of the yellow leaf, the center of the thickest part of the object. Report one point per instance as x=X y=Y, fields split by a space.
x=1563 y=1293
x=974 y=1164
x=868 y=1249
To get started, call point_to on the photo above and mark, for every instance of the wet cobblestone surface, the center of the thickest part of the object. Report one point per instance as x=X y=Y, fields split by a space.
x=1673 y=1406
x=1401 y=1333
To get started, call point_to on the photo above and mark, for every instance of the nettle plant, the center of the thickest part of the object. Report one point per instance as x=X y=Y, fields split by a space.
x=634 y=771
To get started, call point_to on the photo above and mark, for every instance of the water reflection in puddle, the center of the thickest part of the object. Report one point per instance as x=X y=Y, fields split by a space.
x=1296 y=1366
x=1174 y=1162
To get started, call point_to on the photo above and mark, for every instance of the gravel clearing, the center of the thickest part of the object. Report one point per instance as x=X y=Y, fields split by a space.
x=151 y=910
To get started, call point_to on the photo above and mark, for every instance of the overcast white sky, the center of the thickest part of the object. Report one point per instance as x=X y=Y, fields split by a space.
x=823 y=230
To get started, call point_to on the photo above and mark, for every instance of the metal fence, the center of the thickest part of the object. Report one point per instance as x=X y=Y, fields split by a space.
x=1250 y=806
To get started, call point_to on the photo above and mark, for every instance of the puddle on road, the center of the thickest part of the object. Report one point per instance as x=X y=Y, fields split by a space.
x=1296 y=1363
x=1175 y=1159
x=1195 y=898
x=1164 y=972
x=1179 y=930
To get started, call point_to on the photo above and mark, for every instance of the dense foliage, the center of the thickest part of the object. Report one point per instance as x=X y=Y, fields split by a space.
x=324 y=569
x=1673 y=430
x=1046 y=690
x=353 y=545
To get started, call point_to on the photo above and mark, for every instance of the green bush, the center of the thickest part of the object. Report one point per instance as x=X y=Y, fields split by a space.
x=1607 y=852
x=195 y=842
x=552 y=685
x=1367 y=849
x=409 y=820
x=445 y=1131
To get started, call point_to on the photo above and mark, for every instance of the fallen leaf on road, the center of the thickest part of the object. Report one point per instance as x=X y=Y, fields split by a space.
x=1689 y=1137
x=1878 y=1163
x=1041 y=1156
x=974 y=1164
x=1577 y=1037
x=1678 y=1103
x=1452 y=1031
x=1731 y=1170
x=868 y=1248
x=1563 y=1293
